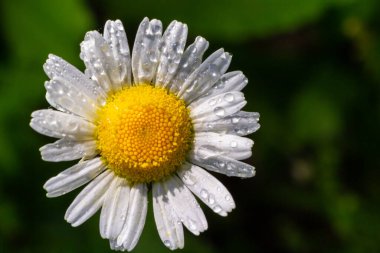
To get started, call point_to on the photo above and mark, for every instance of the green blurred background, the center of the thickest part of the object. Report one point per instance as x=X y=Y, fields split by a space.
x=314 y=72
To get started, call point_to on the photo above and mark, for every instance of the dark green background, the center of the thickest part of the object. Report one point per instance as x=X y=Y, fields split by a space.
x=314 y=74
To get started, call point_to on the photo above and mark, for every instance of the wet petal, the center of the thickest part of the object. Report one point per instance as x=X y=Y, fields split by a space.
x=231 y=81
x=202 y=79
x=233 y=146
x=89 y=200
x=185 y=205
x=68 y=150
x=67 y=98
x=58 y=69
x=116 y=37
x=212 y=161
x=173 y=43
x=73 y=177
x=207 y=188
x=100 y=64
x=114 y=210
x=240 y=123
x=135 y=220
x=145 y=52
x=191 y=59
x=168 y=223
x=217 y=107
x=60 y=125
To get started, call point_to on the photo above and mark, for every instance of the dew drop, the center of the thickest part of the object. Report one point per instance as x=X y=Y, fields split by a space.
x=156 y=29
x=204 y=194
x=228 y=197
x=220 y=85
x=221 y=164
x=212 y=102
x=153 y=57
x=188 y=180
x=233 y=144
x=241 y=131
x=72 y=127
x=168 y=244
x=211 y=199
x=217 y=209
x=192 y=225
x=235 y=120
x=219 y=111
x=229 y=97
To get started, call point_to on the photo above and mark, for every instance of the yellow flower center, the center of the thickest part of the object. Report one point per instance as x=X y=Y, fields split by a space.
x=144 y=133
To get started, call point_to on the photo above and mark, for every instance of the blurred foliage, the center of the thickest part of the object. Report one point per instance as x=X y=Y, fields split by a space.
x=314 y=71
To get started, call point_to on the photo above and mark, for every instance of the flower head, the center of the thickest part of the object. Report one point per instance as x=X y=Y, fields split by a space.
x=157 y=118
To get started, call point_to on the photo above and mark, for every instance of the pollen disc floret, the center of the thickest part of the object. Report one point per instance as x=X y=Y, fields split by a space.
x=144 y=133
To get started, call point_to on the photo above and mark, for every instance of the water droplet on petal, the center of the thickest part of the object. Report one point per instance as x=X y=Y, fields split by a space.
x=219 y=111
x=229 y=97
x=235 y=120
x=168 y=244
x=204 y=194
x=212 y=102
x=211 y=199
x=221 y=164
x=233 y=144
x=192 y=225
x=217 y=209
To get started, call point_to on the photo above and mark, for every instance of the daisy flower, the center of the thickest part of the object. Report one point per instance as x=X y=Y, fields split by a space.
x=155 y=118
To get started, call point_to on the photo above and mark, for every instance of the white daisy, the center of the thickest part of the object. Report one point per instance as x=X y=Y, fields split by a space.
x=155 y=119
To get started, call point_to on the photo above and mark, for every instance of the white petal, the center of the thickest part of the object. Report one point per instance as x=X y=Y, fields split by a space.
x=233 y=146
x=100 y=63
x=222 y=164
x=217 y=107
x=73 y=177
x=168 y=223
x=231 y=81
x=60 y=125
x=191 y=59
x=116 y=37
x=173 y=43
x=240 y=123
x=114 y=210
x=202 y=79
x=68 y=98
x=89 y=200
x=145 y=52
x=68 y=150
x=207 y=188
x=135 y=220
x=57 y=68
x=185 y=205
x=115 y=246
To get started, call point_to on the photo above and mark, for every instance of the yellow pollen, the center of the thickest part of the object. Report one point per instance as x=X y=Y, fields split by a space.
x=144 y=133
